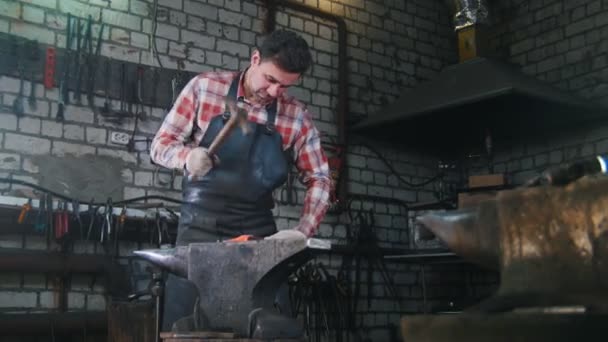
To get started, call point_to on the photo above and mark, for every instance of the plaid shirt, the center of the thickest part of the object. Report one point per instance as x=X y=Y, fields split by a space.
x=203 y=98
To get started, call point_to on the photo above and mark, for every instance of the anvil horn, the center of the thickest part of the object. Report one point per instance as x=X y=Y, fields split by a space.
x=171 y=259
x=465 y=233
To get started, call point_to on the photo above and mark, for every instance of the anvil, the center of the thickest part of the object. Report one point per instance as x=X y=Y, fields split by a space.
x=235 y=279
x=550 y=243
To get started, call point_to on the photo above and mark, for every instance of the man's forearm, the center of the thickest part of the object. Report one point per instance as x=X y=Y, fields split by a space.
x=168 y=153
x=316 y=203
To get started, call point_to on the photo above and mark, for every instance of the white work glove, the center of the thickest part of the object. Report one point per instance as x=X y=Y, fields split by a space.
x=287 y=234
x=198 y=162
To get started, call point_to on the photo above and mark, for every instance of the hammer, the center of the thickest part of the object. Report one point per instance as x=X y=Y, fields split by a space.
x=238 y=116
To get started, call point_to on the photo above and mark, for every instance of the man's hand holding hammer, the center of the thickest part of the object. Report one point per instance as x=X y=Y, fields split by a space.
x=200 y=160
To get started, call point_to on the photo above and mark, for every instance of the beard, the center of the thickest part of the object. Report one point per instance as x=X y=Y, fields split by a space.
x=262 y=97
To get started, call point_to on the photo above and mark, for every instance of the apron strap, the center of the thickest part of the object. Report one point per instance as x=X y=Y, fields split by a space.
x=271 y=109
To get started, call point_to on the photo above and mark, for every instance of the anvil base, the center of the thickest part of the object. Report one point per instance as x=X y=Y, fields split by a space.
x=507 y=327
x=207 y=336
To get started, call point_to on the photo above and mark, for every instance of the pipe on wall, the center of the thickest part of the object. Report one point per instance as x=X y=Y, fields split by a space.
x=342 y=108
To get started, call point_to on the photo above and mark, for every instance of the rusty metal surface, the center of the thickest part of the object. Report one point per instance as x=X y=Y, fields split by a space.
x=210 y=336
x=234 y=278
x=198 y=339
x=131 y=321
x=504 y=328
x=550 y=243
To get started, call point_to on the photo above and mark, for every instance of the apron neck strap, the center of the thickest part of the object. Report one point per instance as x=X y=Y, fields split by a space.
x=271 y=108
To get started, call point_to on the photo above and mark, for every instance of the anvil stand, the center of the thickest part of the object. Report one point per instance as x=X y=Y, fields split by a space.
x=156 y=290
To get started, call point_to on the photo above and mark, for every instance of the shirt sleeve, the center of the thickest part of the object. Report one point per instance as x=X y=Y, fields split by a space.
x=314 y=169
x=170 y=145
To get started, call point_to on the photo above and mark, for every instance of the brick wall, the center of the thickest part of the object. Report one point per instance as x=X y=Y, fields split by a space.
x=392 y=46
x=563 y=43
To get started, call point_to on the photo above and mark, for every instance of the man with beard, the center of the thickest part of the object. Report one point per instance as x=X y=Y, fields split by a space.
x=229 y=194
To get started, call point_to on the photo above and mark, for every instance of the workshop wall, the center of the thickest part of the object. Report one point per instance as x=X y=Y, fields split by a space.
x=564 y=43
x=392 y=46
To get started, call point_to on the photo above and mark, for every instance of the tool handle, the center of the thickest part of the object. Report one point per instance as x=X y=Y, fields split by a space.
x=23 y=213
x=49 y=68
x=222 y=135
x=59 y=116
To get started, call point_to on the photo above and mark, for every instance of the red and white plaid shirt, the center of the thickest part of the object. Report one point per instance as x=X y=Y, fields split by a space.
x=203 y=98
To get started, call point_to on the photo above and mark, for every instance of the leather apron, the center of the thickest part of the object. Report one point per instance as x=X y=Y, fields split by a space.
x=234 y=198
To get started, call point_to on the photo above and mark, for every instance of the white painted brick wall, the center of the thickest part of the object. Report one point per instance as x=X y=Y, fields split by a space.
x=96 y=302
x=33 y=14
x=62 y=149
x=202 y=10
x=26 y=144
x=199 y=40
x=15 y=299
x=76 y=301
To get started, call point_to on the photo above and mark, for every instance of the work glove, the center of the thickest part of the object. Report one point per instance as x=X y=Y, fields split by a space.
x=287 y=234
x=199 y=162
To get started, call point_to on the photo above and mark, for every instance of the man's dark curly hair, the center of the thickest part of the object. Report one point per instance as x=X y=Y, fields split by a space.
x=288 y=50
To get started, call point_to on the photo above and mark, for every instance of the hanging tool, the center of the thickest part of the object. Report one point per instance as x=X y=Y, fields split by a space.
x=289 y=194
x=93 y=63
x=63 y=83
x=49 y=68
x=107 y=106
x=32 y=98
x=154 y=95
x=49 y=219
x=41 y=216
x=159 y=232
x=123 y=89
x=25 y=209
x=139 y=112
x=174 y=84
x=34 y=57
x=92 y=213
x=106 y=229
x=76 y=213
x=18 y=102
x=61 y=222
x=119 y=227
x=82 y=42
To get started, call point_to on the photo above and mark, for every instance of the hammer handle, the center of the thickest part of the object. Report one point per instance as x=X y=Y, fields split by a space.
x=222 y=135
